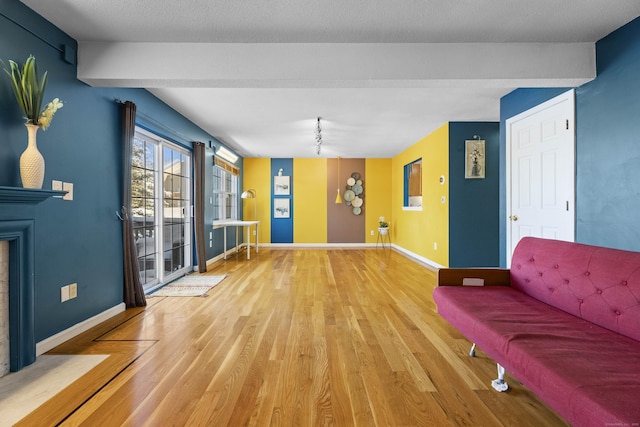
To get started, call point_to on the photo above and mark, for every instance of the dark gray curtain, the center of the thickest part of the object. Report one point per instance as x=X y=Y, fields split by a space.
x=198 y=176
x=133 y=291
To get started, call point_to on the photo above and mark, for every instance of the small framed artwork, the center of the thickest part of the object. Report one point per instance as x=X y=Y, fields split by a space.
x=281 y=185
x=474 y=159
x=281 y=208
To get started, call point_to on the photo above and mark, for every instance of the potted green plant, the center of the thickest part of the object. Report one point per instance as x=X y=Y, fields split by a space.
x=28 y=89
x=383 y=226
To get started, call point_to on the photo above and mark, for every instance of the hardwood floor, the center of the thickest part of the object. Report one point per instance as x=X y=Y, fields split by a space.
x=292 y=338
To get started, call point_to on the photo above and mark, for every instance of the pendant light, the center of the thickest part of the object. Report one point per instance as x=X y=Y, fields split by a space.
x=338 y=198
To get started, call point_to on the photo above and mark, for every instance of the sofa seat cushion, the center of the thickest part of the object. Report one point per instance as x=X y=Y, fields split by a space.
x=587 y=373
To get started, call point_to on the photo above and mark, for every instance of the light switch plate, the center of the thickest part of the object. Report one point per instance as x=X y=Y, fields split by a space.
x=56 y=185
x=68 y=187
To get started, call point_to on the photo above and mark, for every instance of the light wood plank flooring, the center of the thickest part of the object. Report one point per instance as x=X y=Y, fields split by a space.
x=291 y=338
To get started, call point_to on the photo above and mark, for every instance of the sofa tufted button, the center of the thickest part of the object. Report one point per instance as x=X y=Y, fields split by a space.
x=527 y=280
x=556 y=266
x=518 y=266
x=540 y=274
x=624 y=283
x=617 y=312
x=531 y=259
x=551 y=290
x=587 y=274
x=580 y=301
x=566 y=281
x=599 y=291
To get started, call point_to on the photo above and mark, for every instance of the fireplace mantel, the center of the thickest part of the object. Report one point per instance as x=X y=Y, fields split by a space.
x=20 y=233
x=30 y=196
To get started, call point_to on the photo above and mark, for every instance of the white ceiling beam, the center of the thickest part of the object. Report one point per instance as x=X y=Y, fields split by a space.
x=335 y=65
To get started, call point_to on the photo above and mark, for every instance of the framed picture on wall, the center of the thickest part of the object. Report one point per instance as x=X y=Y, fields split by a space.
x=281 y=186
x=474 y=159
x=281 y=208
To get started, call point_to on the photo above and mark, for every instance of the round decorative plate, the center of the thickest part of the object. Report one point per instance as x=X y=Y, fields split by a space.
x=349 y=195
x=356 y=211
x=355 y=175
x=357 y=189
x=350 y=181
x=357 y=202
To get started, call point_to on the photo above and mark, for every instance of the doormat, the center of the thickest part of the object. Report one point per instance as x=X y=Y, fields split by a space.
x=188 y=286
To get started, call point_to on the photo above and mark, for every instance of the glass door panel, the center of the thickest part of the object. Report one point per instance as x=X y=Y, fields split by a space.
x=161 y=204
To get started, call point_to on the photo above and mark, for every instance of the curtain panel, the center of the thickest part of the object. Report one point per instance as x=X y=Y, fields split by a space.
x=133 y=291
x=198 y=172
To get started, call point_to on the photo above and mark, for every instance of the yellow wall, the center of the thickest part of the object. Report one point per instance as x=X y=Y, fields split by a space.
x=309 y=200
x=417 y=231
x=257 y=175
x=377 y=195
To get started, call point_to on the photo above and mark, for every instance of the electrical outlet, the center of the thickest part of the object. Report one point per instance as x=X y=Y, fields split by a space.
x=372 y=232
x=68 y=187
x=73 y=290
x=56 y=185
x=254 y=232
x=435 y=246
x=64 y=293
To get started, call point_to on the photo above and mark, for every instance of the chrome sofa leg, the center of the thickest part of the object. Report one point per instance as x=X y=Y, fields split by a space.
x=499 y=384
x=472 y=353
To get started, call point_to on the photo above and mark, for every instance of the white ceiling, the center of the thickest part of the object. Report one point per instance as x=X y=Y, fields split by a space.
x=382 y=74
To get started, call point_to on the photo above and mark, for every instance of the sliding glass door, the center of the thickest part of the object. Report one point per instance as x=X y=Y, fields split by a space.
x=161 y=204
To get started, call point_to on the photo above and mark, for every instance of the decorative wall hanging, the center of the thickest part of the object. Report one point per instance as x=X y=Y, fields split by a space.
x=281 y=185
x=474 y=158
x=353 y=195
x=281 y=208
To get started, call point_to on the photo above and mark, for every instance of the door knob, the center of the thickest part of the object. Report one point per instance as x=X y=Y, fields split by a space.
x=513 y=217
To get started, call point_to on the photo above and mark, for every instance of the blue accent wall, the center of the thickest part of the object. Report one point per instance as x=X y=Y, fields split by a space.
x=473 y=203
x=607 y=148
x=282 y=228
x=78 y=241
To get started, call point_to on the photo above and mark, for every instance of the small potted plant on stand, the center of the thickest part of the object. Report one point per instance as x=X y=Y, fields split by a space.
x=383 y=226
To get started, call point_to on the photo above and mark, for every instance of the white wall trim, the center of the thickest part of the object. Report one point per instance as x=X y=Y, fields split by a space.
x=319 y=245
x=422 y=260
x=75 y=330
x=431 y=264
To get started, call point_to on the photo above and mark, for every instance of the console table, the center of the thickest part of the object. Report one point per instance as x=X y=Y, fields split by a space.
x=237 y=223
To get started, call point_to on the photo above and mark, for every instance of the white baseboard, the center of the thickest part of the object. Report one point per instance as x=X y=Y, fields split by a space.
x=63 y=336
x=318 y=245
x=419 y=258
x=426 y=261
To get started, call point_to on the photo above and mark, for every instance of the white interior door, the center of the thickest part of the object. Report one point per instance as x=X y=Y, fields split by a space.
x=541 y=172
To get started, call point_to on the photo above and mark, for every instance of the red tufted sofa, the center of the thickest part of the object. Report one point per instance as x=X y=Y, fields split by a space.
x=564 y=320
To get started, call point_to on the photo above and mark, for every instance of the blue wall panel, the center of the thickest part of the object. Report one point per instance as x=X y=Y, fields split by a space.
x=473 y=203
x=608 y=149
x=282 y=228
x=78 y=241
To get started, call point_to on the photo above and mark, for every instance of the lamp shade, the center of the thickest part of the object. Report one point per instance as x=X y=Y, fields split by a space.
x=248 y=194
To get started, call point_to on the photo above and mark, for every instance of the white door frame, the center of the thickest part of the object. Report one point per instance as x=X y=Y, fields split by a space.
x=568 y=96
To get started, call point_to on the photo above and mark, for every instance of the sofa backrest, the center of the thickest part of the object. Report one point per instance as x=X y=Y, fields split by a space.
x=600 y=285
